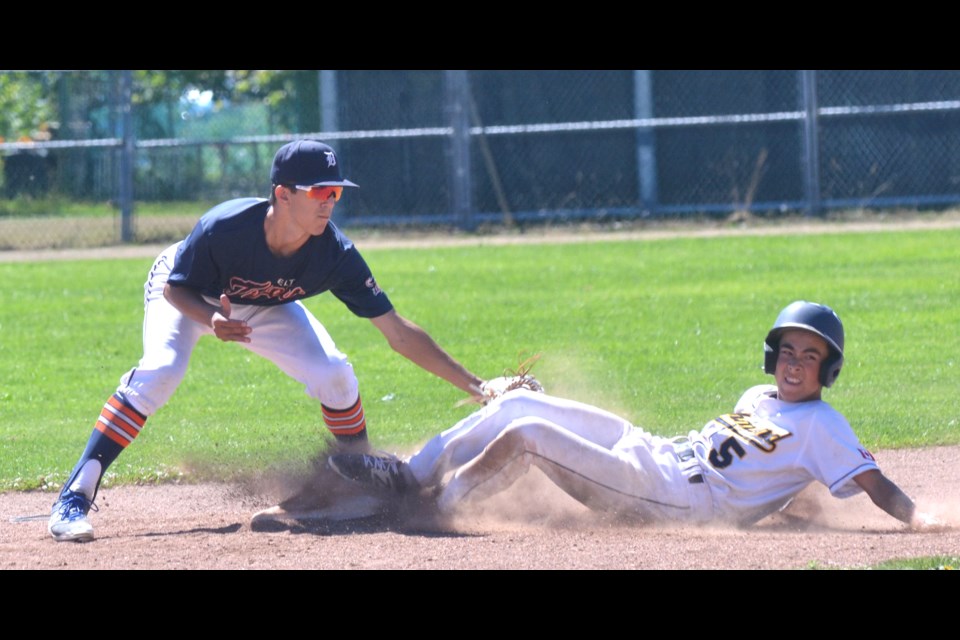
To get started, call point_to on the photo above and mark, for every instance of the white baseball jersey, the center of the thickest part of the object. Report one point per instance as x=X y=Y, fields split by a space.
x=767 y=451
x=739 y=467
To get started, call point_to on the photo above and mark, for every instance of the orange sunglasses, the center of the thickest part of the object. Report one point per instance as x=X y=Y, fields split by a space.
x=321 y=193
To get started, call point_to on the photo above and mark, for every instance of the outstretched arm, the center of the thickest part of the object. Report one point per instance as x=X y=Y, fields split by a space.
x=413 y=343
x=889 y=497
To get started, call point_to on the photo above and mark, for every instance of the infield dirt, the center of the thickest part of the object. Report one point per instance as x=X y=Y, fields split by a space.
x=531 y=526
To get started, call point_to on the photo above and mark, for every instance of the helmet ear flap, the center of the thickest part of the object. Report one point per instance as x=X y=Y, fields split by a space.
x=770 y=357
x=830 y=368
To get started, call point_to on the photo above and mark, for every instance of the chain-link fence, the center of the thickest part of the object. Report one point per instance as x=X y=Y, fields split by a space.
x=100 y=157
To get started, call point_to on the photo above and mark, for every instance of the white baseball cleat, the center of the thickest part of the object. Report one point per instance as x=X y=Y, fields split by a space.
x=68 y=519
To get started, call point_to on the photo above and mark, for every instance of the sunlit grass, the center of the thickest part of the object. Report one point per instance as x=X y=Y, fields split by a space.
x=666 y=333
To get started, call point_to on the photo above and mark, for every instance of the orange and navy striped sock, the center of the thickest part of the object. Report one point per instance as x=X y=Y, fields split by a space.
x=117 y=426
x=119 y=421
x=346 y=425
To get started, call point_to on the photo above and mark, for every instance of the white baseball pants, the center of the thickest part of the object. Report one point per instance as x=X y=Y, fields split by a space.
x=595 y=456
x=287 y=334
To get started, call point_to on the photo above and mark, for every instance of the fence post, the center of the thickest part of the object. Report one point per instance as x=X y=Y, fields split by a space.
x=328 y=100
x=330 y=122
x=458 y=117
x=127 y=150
x=646 y=147
x=811 y=142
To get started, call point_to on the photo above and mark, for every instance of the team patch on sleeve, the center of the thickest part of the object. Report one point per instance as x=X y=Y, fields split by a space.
x=373 y=286
x=866 y=455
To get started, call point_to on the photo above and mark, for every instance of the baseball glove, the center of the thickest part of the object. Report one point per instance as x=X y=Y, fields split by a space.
x=510 y=380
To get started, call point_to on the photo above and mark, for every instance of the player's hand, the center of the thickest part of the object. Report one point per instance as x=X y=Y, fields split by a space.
x=226 y=329
x=925 y=521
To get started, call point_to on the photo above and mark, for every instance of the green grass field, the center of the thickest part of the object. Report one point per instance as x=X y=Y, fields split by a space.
x=666 y=333
x=929 y=563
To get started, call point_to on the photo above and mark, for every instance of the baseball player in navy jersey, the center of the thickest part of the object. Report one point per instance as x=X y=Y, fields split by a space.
x=740 y=467
x=240 y=276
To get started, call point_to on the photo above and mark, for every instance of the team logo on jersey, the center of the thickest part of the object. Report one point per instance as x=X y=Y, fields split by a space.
x=331 y=159
x=752 y=429
x=866 y=455
x=373 y=286
x=737 y=430
x=249 y=290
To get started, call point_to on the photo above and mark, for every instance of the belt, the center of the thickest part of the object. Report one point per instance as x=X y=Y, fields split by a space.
x=684 y=453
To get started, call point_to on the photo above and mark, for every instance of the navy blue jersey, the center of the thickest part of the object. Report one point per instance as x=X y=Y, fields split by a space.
x=227 y=253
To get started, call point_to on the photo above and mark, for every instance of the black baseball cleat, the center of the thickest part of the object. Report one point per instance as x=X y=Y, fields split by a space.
x=383 y=471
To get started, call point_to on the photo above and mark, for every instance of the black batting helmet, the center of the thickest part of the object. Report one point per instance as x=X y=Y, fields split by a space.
x=819 y=319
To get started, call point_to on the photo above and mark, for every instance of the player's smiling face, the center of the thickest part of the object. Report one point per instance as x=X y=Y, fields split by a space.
x=798 y=365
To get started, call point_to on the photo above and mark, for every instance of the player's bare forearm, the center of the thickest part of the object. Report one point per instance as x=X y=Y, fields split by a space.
x=191 y=304
x=415 y=344
x=887 y=495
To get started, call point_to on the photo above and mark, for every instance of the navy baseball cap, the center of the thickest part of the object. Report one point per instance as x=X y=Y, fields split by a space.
x=307 y=163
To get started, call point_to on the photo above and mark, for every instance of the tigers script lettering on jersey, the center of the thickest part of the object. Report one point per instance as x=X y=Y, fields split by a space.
x=247 y=290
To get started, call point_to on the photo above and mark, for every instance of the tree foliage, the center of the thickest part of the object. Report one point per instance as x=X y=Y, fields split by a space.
x=35 y=104
x=289 y=96
x=27 y=110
